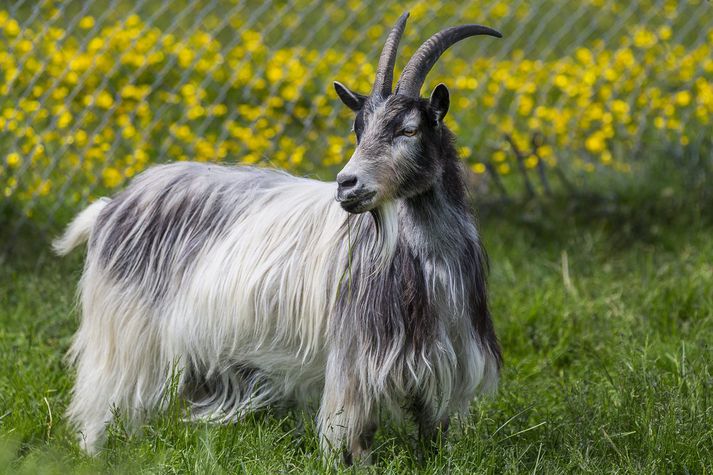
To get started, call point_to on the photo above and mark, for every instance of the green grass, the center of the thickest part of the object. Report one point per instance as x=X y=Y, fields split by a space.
x=604 y=307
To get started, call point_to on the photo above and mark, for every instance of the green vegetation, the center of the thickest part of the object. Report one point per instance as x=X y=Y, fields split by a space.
x=605 y=311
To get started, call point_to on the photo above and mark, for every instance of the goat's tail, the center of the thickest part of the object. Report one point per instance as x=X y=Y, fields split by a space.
x=80 y=228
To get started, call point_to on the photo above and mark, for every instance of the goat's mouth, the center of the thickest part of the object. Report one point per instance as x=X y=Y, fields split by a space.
x=358 y=203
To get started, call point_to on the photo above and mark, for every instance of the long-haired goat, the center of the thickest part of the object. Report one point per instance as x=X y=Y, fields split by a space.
x=263 y=290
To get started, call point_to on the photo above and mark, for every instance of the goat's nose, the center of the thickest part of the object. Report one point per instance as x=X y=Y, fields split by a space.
x=346 y=181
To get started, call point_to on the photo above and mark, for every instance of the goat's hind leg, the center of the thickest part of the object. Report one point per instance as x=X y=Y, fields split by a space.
x=116 y=355
x=104 y=387
x=90 y=410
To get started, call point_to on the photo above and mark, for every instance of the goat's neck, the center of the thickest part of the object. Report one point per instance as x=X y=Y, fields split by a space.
x=434 y=224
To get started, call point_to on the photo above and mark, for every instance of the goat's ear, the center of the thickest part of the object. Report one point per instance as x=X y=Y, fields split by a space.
x=353 y=100
x=439 y=102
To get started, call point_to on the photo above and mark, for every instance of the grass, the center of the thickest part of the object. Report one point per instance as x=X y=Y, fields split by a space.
x=604 y=307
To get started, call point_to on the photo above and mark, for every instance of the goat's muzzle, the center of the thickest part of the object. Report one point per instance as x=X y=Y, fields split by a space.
x=353 y=195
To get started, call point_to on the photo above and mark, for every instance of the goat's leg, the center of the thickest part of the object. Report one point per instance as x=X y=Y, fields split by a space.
x=115 y=354
x=347 y=423
x=432 y=428
x=433 y=432
x=346 y=427
x=349 y=432
x=90 y=409
x=360 y=451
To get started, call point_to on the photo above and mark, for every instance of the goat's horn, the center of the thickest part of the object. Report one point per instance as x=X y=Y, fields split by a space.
x=385 y=70
x=414 y=74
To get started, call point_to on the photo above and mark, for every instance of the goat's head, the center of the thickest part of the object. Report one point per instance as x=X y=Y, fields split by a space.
x=398 y=135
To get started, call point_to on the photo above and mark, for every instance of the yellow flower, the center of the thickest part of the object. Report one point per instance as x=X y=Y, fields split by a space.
x=13 y=160
x=44 y=188
x=683 y=98
x=95 y=44
x=111 y=177
x=86 y=23
x=584 y=55
x=595 y=142
x=182 y=132
x=12 y=27
x=478 y=168
x=644 y=38
x=80 y=137
x=128 y=131
x=129 y=92
x=24 y=47
x=290 y=93
x=526 y=104
x=195 y=112
x=276 y=102
x=252 y=41
x=665 y=32
x=59 y=93
x=133 y=20
x=620 y=107
x=65 y=118
x=500 y=10
x=104 y=100
x=219 y=109
x=188 y=90
x=499 y=156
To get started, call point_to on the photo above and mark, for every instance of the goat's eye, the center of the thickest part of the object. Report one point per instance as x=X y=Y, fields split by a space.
x=407 y=132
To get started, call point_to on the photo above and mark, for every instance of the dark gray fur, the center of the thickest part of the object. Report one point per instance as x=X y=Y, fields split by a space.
x=399 y=312
x=396 y=307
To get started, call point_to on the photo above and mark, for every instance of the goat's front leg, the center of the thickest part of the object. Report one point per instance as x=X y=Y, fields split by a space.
x=347 y=423
x=347 y=428
x=433 y=432
x=432 y=428
x=359 y=451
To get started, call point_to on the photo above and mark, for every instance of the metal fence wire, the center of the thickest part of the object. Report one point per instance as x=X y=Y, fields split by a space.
x=93 y=92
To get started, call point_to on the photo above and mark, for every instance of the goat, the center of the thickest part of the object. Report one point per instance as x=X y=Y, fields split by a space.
x=263 y=290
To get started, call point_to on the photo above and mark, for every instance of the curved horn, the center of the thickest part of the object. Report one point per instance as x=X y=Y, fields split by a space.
x=414 y=74
x=385 y=69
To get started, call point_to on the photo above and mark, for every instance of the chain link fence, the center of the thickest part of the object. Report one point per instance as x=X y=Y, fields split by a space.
x=91 y=93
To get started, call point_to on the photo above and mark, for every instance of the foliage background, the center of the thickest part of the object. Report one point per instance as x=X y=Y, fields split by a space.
x=91 y=93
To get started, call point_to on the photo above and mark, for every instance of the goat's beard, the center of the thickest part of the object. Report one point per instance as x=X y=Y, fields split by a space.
x=386 y=219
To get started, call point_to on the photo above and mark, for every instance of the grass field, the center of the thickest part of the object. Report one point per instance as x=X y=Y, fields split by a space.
x=604 y=306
